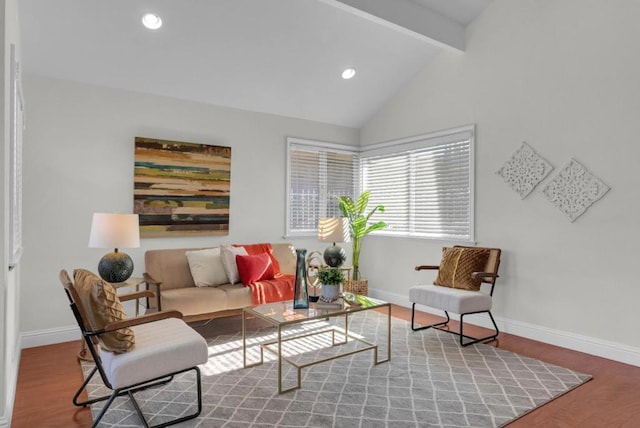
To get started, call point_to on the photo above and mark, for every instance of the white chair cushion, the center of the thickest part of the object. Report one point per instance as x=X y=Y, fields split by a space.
x=162 y=347
x=454 y=300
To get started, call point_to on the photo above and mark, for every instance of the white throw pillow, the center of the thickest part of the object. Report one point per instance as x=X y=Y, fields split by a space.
x=206 y=267
x=229 y=254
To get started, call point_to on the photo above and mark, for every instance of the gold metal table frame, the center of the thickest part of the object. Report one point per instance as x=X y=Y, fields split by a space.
x=282 y=314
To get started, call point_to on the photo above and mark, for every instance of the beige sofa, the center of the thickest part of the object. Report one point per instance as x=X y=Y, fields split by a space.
x=168 y=274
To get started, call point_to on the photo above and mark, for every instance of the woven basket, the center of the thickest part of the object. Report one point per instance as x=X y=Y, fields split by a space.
x=360 y=287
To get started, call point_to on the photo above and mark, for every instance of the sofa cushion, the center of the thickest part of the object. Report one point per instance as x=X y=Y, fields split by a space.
x=229 y=254
x=193 y=301
x=286 y=255
x=458 y=264
x=252 y=268
x=103 y=307
x=206 y=267
x=170 y=267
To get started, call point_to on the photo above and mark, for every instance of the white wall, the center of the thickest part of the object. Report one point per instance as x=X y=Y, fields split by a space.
x=79 y=153
x=9 y=324
x=564 y=76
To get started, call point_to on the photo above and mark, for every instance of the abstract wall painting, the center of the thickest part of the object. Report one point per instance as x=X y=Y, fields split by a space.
x=525 y=170
x=181 y=189
x=574 y=189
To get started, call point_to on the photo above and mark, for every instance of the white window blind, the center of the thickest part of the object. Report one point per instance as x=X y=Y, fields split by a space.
x=425 y=184
x=316 y=172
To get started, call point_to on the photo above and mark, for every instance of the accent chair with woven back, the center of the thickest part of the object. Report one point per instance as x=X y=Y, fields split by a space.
x=132 y=354
x=458 y=288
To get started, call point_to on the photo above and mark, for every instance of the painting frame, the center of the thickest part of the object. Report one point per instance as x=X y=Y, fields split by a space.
x=181 y=188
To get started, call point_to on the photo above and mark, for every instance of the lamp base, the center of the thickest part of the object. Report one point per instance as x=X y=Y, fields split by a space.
x=115 y=267
x=334 y=256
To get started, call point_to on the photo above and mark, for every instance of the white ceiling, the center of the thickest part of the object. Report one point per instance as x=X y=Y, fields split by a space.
x=275 y=56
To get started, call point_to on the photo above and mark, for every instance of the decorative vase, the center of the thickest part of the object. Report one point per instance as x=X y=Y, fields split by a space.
x=300 y=293
x=330 y=292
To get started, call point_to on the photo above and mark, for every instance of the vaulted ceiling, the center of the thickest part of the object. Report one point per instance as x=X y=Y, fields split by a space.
x=283 y=57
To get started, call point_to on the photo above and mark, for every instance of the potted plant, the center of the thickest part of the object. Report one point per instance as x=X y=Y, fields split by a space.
x=330 y=278
x=359 y=226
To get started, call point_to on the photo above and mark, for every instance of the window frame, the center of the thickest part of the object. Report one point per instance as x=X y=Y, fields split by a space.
x=390 y=147
x=428 y=140
x=318 y=146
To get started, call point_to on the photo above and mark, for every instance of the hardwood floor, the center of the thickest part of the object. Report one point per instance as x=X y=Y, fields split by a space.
x=49 y=376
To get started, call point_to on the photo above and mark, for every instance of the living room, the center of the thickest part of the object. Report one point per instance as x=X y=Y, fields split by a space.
x=560 y=75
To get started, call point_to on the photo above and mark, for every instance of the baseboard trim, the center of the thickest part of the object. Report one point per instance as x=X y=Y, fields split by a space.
x=600 y=348
x=49 y=336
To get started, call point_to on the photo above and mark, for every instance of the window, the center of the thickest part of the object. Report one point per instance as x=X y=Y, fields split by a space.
x=316 y=172
x=425 y=184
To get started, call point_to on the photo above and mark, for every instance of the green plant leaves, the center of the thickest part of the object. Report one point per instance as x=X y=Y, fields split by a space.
x=331 y=276
x=354 y=213
x=363 y=201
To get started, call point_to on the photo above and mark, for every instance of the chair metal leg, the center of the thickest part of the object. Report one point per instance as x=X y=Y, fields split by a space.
x=77 y=403
x=138 y=411
x=436 y=325
x=183 y=418
x=461 y=334
x=83 y=386
x=130 y=390
x=473 y=339
x=106 y=406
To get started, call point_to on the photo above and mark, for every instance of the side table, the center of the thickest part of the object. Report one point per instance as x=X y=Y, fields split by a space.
x=131 y=282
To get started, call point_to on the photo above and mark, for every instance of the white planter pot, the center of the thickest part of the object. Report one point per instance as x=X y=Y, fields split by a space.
x=330 y=292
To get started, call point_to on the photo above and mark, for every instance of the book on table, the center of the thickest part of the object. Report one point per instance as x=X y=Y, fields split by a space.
x=334 y=304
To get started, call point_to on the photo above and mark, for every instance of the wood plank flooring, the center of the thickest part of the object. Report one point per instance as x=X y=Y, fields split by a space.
x=49 y=376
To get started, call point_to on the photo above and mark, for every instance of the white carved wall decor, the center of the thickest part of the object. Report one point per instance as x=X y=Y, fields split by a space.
x=525 y=170
x=574 y=189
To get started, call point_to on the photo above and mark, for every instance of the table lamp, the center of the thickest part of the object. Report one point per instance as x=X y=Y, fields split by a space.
x=333 y=229
x=110 y=230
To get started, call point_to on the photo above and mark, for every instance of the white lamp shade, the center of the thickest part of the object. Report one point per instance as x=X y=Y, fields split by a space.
x=333 y=229
x=110 y=230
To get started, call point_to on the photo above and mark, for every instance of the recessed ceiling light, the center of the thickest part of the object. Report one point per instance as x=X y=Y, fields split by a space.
x=152 y=21
x=348 y=73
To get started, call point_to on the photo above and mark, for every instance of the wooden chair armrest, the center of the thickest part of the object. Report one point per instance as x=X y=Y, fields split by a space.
x=136 y=295
x=150 y=281
x=431 y=267
x=143 y=319
x=476 y=275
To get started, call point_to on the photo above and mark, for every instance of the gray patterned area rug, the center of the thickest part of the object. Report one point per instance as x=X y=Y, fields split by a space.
x=430 y=382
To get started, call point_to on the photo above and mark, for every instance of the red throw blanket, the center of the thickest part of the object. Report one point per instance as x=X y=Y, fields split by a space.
x=272 y=290
x=269 y=290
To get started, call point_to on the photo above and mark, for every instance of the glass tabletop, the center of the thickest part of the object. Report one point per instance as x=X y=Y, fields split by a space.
x=283 y=312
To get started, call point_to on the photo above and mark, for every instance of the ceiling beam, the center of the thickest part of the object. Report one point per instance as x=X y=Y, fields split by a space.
x=409 y=18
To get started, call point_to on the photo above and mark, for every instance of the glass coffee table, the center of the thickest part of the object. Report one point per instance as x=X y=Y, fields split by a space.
x=282 y=315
